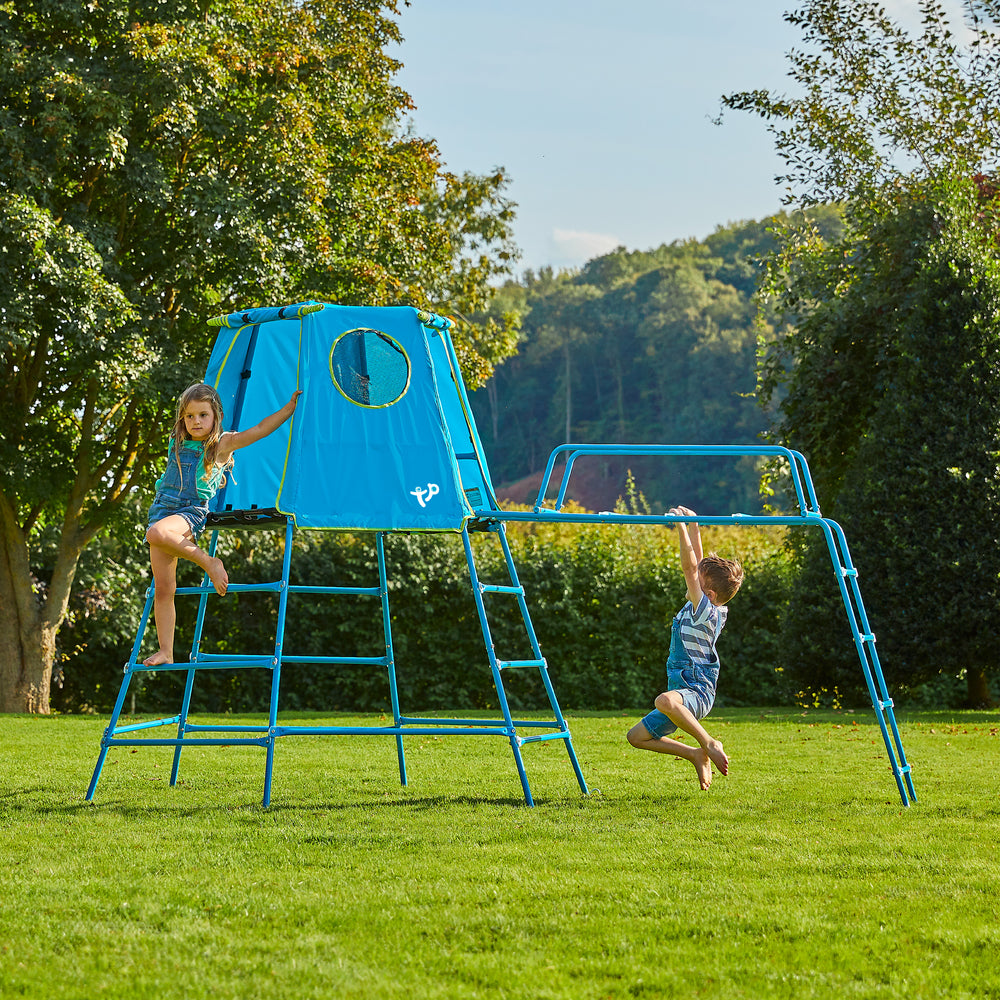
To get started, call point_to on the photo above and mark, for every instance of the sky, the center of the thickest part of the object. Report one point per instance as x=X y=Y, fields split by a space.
x=601 y=113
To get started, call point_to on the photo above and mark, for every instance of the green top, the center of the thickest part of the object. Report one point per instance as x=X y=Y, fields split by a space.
x=207 y=486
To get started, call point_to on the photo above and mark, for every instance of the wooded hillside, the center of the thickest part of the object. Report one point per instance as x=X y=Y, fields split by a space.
x=651 y=347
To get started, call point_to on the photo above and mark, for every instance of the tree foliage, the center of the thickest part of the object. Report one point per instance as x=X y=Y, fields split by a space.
x=889 y=375
x=162 y=163
x=875 y=102
x=639 y=347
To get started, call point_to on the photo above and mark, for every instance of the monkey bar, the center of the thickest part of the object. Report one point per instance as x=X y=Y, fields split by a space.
x=845 y=572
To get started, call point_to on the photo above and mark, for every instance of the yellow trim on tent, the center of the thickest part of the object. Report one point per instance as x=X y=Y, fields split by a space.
x=291 y=427
x=236 y=336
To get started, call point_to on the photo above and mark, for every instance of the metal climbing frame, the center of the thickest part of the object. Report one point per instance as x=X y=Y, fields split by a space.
x=192 y=734
x=810 y=516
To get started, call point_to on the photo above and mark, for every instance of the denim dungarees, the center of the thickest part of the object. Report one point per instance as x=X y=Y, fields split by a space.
x=177 y=490
x=695 y=683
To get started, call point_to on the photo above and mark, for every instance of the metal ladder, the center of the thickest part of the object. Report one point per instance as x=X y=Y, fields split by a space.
x=235 y=735
x=537 y=661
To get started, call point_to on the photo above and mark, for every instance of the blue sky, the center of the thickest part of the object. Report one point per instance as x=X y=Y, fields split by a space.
x=601 y=112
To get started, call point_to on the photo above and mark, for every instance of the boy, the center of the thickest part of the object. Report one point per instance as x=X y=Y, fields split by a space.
x=692 y=665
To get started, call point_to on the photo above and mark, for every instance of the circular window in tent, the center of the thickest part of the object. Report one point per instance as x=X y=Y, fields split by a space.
x=369 y=367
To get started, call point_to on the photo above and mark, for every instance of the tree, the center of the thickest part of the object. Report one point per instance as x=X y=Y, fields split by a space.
x=890 y=376
x=162 y=163
x=878 y=103
x=638 y=346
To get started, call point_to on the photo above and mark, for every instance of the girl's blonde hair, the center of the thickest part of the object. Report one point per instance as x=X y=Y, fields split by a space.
x=197 y=393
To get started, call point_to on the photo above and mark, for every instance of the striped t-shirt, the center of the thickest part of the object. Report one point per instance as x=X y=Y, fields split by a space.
x=699 y=630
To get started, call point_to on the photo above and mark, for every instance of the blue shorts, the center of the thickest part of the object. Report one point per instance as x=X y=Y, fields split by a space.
x=195 y=514
x=697 y=691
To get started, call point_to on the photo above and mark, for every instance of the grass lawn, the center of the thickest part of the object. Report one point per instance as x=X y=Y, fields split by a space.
x=799 y=875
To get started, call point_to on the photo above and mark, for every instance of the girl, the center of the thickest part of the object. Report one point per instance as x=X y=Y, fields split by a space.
x=200 y=453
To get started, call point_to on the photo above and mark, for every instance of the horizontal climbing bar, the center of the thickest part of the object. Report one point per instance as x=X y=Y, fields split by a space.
x=236 y=588
x=247 y=660
x=519 y=723
x=135 y=727
x=545 y=737
x=504 y=664
x=226 y=663
x=213 y=659
x=488 y=730
x=610 y=517
x=356 y=591
x=192 y=727
x=184 y=742
x=370 y=661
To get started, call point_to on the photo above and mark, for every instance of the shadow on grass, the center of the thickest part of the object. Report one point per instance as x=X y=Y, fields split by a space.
x=19 y=793
x=129 y=810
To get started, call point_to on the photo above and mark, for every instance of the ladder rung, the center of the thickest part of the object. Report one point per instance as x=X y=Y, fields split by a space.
x=544 y=738
x=248 y=658
x=235 y=588
x=358 y=591
x=868 y=637
x=504 y=664
x=224 y=663
x=888 y=703
x=371 y=661
x=848 y=572
x=486 y=588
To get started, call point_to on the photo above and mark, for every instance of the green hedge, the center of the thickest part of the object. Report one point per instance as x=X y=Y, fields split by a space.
x=600 y=599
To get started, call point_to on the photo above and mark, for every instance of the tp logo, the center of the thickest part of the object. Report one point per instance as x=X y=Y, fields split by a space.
x=423 y=495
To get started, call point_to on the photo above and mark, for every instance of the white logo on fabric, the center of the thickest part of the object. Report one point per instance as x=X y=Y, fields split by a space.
x=423 y=495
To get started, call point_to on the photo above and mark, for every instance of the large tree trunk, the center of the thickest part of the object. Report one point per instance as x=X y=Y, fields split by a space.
x=28 y=625
x=24 y=673
x=977 y=687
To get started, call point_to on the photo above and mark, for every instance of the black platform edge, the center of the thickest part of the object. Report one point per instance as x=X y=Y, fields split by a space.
x=256 y=517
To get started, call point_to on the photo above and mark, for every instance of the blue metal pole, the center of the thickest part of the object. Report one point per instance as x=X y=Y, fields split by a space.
x=109 y=731
x=389 y=656
x=794 y=459
x=195 y=651
x=276 y=668
x=463 y=399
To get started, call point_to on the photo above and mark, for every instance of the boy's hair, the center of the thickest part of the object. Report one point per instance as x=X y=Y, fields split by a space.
x=723 y=576
x=200 y=392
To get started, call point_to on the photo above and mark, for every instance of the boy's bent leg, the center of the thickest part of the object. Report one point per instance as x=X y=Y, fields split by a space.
x=671 y=704
x=640 y=737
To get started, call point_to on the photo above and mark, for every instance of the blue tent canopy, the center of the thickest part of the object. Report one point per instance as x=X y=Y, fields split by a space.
x=370 y=446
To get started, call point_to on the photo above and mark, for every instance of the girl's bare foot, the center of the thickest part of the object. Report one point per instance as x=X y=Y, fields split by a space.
x=218 y=575
x=160 y=656
x=717 y=755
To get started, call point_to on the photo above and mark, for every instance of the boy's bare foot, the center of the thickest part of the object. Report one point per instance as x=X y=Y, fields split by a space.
x=717 y=755
x=218 y=575
x=160 y=656
x=703 y=766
